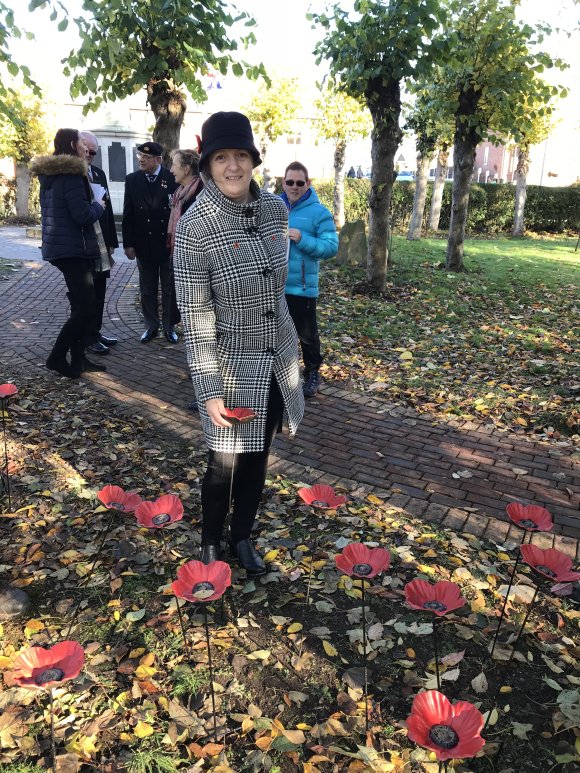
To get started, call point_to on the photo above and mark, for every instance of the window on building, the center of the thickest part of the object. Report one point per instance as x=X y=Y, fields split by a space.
x=486 y=155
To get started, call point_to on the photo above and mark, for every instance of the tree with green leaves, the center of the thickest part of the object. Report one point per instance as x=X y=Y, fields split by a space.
x=491 y=82
x=21 y=138
x=341 y=119
x=371 y=52
x=537 y=132
x=272 y=113
x=8 y=32
x=162 y=46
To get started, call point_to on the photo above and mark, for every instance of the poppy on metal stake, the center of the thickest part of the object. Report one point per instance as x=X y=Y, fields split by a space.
x=210 y=666
x=365 y=675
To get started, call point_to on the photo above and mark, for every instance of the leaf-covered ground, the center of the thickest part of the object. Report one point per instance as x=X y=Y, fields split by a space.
x=498 y=343
x=287 y=672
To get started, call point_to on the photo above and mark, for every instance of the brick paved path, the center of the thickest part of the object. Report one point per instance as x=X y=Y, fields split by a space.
x=366 y=443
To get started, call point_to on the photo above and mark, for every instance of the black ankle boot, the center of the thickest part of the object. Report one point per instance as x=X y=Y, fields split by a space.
x=60 y=365
x=209 y=553
x=248 y=556
x=91 y=367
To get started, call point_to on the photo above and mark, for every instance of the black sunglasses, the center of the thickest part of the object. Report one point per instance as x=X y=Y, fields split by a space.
x=299 y=183
x=92 y=152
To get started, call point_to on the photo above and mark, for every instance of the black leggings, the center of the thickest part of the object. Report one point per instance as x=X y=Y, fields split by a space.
x=80 y=329
x=249 y=478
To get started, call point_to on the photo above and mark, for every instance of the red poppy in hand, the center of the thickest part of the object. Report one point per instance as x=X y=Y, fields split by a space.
x=38 y=668
x=451 y=731
x=530 y=517
x=321 y=496
x=239 y=415
x=155 y=515
x=441 y=598
x=202 y=582
x=550 y=563
x=116 y=498
x=359 y=561
x=7 y=390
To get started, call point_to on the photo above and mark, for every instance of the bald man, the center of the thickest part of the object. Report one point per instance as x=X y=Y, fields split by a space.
x=107 y=223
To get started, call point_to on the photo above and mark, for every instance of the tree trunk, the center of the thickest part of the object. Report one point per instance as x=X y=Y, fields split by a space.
x=267 y=179
x=438 y=185
x=339 y=159
x=22 y=174
x=168 y=106
x=521 y=191
x=423 y=164
x=384 y=101
x=466 y=139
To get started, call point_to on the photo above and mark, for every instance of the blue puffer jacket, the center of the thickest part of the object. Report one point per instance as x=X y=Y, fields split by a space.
x=67 y=211
x=319 y=241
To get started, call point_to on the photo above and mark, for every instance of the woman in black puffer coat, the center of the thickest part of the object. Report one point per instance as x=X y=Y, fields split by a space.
x=70 y=241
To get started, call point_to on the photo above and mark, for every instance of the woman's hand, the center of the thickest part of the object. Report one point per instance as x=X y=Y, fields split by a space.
x=214 y=408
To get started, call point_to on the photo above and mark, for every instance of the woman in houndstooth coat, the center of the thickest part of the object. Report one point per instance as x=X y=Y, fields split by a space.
x=230 y=271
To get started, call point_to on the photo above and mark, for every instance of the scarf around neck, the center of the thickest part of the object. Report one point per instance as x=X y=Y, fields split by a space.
x=181 y=195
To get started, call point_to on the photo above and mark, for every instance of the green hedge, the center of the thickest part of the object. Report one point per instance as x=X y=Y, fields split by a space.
x=491 y=205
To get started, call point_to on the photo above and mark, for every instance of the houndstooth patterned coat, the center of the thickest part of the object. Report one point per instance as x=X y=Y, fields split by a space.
x=230 y=271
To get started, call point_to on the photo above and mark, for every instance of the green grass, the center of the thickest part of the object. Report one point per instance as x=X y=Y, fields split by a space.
x=495 y=342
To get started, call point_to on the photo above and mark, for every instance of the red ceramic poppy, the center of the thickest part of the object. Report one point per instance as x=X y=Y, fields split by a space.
x=530 y=517
x=441 y=598
x=239 y=415
x=550 y=563
x=202 y=582
x=155 y=515
x=451 y=731
x=8 y=390
x=359 y=560
x=116 y=498
x=321 y=496
x=38 y=668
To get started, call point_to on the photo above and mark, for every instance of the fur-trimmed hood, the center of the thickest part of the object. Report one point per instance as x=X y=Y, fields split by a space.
x=53 y=165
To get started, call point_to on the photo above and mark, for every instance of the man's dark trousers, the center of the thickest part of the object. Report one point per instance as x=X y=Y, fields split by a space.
x=303 y=313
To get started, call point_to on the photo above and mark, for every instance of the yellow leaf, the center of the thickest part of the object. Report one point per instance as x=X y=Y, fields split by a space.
x=329 y=649
x=503 y=556
x=270 y=555
x=407 y=355
x=117 y=615
x=425 y=569
x=136 y=653
x=148 y=659
x=32 y=627
x=430 y=553
x=144 y=672
x=303 y=726
x=455 y=561
x=5 y=662
x=521 y=422
x=505 y=688
x=295 y=627
x=374 y=500
x=142 y=730
x=83 y=745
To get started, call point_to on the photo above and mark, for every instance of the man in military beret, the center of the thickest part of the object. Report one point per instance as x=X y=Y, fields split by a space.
x=146 y=211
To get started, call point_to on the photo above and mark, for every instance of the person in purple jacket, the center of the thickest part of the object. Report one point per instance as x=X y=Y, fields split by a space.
x=313 y=238
x=73 y=242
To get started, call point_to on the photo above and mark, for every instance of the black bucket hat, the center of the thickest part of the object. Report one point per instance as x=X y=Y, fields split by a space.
x=226 y=130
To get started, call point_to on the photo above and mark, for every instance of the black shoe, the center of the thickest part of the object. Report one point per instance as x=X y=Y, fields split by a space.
x=92 y=367
x=209 y=553
x=148 y=335
x=98 y=348
x=193 y=406
x=248 y=557
x=108 y=341
x=312 y=384
x=60 y=365
x=171 y=336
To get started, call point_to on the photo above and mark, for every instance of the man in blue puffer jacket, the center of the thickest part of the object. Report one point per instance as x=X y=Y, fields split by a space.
x=313 y=238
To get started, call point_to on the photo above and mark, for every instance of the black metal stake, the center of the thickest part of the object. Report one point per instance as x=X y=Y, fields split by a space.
x=229 y=516
x=181 y=625
x=436 y=647
x=210 y=673
x=364 y=632
x=52 y=743
x=3 y=399
x=92 y=569
x=507 y=595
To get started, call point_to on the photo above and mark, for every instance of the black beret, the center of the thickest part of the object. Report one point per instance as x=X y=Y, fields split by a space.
x=151 y=148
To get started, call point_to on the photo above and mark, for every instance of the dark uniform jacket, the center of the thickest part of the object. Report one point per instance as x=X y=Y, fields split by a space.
x=108 y=220
x=146 y=211
x=67 y=209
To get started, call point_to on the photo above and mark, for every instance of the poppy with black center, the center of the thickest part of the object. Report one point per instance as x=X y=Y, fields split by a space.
x=530 y=517
x=321 y=496
x=163 y=511
x=358 y=560
x=550 y=563
x=116 y=498
x=40 y=668
x=440 y=598
x=202 y=582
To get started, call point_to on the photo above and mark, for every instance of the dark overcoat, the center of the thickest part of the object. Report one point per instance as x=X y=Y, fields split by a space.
x=67 y=209
x=230 y=271
x=146 y=210
x=108 y=219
